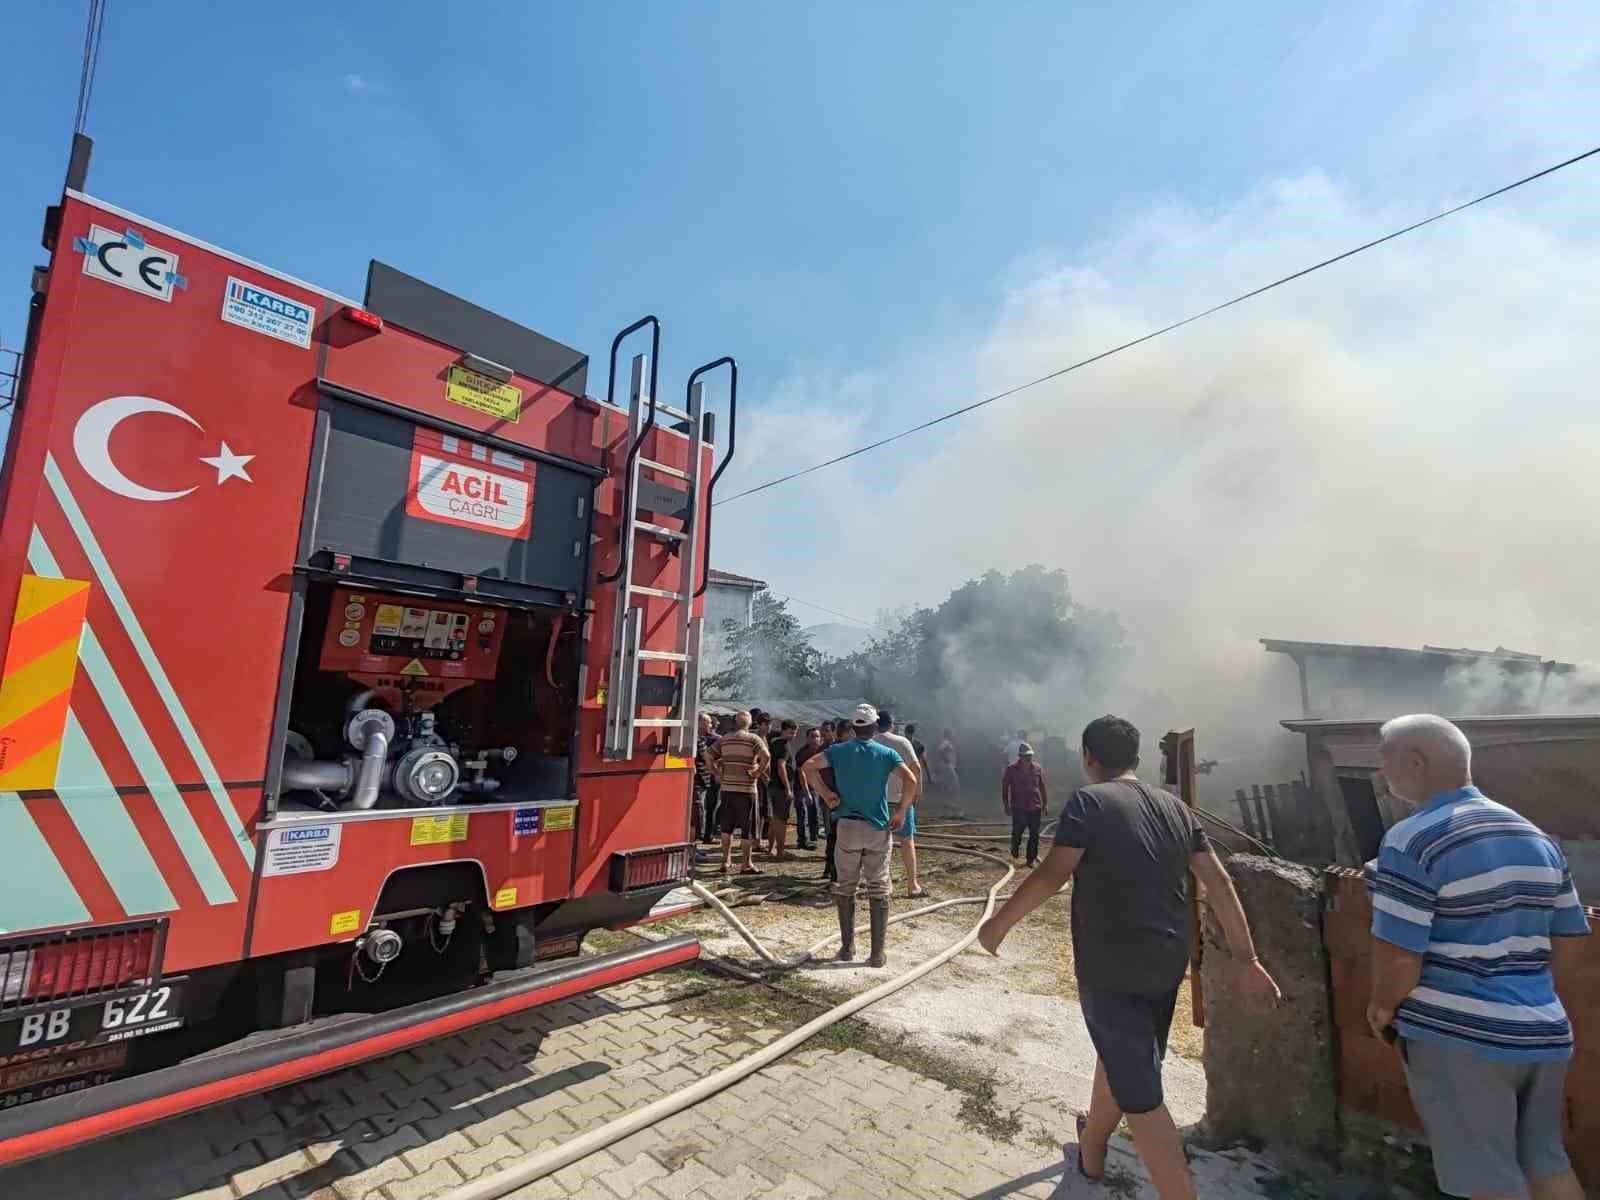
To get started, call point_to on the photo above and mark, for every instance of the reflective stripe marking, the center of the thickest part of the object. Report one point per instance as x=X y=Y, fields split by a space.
x=181 y=822
x=41 y=663
x=147 y=655
x=102 y=820
x=30 y=746
x=35 y=684
x=34 y=891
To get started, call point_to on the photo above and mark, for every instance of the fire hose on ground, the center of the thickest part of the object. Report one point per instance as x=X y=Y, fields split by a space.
x=500 y=1183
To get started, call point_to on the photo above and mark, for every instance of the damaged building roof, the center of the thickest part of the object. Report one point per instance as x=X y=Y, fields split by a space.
x=1355 y=681
x=1400 y=653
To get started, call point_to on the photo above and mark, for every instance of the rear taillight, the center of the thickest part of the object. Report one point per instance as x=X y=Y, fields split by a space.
x=660 y=866
x=50 y=968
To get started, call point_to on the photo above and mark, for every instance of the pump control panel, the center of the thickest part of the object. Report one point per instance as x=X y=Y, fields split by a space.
x=371 y=633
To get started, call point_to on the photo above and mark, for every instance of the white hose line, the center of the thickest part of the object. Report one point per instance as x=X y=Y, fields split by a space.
x=490 y=1187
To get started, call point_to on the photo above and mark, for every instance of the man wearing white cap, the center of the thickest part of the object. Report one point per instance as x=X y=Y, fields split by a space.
x=858 y=797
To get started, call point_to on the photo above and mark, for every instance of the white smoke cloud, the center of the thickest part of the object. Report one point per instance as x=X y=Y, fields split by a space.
x=1397 y=450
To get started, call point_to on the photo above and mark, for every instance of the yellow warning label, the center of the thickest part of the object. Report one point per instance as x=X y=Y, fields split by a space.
x=345 y=922
x=505 y=897
x=431 y=831
x=600 y=695
x=674 y=760
x=559 y=818
x=414 y=667
x=482 y=394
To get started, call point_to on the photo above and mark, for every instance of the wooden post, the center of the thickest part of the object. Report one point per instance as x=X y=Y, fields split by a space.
x=1264 y=829
x=1243 y=802
x=1178 y=771
x=1275 y=814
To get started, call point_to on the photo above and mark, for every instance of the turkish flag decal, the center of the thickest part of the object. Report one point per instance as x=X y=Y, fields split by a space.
x=457 y=482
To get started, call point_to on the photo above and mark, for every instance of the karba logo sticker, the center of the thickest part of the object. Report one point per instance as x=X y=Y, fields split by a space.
x=271 y=313
x=457 y=482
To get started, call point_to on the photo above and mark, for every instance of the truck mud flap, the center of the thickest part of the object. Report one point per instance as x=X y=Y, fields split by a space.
x=61 y=1122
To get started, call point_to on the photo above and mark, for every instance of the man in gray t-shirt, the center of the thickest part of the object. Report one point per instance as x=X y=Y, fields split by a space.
x=1130 y=850
x=1130 y=897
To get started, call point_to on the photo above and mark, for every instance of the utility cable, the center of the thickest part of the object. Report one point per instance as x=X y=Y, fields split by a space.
x=1155 y=333
x=831 y=611
x=93 y=29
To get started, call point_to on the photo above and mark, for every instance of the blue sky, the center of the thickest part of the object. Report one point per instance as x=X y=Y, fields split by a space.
x=807 y=186
x=853 y=199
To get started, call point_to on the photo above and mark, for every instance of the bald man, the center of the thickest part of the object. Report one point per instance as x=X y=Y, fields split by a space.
x=1475 y=924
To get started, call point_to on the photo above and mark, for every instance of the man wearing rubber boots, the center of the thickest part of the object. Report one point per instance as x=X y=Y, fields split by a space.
x=862 y=768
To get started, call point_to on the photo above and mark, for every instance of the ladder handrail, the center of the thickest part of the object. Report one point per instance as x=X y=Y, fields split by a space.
x=649 y=424
x=733 y=426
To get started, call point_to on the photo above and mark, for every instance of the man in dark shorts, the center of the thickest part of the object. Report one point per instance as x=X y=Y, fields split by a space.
x=780 y=789
x=738 y=761
x=1131 y=849
x=808 y=809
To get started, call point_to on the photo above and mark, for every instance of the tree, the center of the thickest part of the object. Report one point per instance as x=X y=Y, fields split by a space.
x=771 y=656
x=1001 y=651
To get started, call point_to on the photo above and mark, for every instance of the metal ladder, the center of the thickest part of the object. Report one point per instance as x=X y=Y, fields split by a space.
x=628 y=656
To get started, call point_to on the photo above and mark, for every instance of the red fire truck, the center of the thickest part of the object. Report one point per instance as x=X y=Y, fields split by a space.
x=349 y=672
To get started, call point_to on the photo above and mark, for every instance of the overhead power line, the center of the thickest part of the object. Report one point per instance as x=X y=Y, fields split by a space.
x=1155 y=333
x=91 y=63
x=830 y=611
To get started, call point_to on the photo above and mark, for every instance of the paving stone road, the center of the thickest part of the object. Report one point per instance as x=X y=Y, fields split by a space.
x=822 y=1122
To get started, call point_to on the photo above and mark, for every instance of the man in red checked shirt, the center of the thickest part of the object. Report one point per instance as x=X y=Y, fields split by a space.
x=1024 y=799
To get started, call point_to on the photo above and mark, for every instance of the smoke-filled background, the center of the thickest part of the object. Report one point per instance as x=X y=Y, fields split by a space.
x=1399 y=450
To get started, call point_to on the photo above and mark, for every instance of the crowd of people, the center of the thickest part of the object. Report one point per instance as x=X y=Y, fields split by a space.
x=1475 y=920
x=749 y=782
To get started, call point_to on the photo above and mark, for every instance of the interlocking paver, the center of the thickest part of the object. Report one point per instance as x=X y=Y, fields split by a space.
x=421 y=1158
x=484 y=1132
x=473 y=1163
x=549 y=1129
x=436 y=1180
x=257 y=1178
x=634 y=1174
x=379 y=1149
x=358 y=1184
x=823 y=1122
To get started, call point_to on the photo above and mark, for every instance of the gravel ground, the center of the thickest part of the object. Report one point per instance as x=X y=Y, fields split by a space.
x=1016 y=1015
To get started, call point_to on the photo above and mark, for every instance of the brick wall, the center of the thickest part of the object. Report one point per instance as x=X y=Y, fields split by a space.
x=1368 y=1073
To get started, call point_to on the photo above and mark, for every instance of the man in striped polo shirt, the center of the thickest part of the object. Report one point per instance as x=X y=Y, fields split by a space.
x=1474 y=920
x=738 y=761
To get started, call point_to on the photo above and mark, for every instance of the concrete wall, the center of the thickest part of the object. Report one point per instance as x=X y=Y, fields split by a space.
x=1270 y=1075
x=724 y=602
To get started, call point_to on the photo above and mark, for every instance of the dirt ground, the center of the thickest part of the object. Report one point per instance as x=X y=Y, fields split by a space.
x=1015 y=1019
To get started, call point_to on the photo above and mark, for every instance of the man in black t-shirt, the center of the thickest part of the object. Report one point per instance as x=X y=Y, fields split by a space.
x=780 y=790
x=1129 y=850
